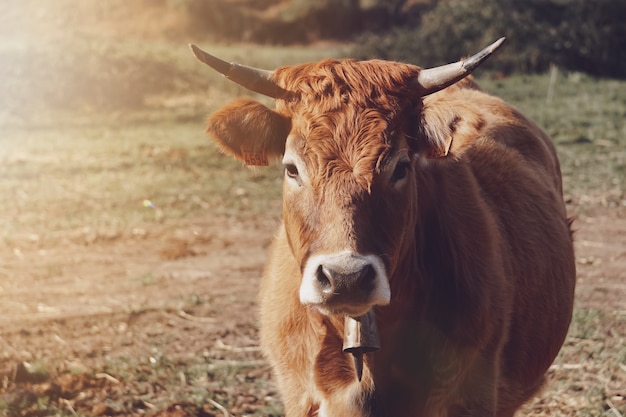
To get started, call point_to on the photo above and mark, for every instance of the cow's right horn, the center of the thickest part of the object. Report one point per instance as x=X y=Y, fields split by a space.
x=254 y=79
x=432 y=80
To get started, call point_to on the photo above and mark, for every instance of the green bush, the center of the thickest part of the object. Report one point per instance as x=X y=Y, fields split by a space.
x=295 y=21
x=581 y=35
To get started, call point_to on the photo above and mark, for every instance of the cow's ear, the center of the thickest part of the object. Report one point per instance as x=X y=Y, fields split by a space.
x=249 y=131
x=448 y=125
x=436 y=132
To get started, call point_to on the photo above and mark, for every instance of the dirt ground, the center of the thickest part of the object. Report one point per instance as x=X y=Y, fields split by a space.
x=119 y=325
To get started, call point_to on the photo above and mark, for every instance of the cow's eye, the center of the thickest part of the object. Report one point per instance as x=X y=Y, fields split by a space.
x=292 y=171
x=401 y=171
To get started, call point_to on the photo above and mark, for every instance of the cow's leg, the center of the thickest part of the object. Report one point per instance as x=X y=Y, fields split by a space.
x=482 y=405
x=342 y=403
x=295 y=399
x=336 y=409
x=479 y=392
x=512 y=395
x=346 y=402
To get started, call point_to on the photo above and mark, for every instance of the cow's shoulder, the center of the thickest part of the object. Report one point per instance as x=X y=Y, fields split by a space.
x=481 y=127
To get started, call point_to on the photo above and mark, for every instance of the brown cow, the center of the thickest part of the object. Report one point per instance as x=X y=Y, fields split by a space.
x=413 y=194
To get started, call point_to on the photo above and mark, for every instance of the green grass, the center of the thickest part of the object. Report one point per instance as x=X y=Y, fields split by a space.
x=102 y=177
x=589 y=367
x=154 y=381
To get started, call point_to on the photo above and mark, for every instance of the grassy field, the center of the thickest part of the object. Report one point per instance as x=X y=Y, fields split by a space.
x=82 y=158
x=103 y=159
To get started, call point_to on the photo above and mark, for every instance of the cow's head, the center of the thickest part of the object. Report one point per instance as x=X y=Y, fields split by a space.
x=349 y=134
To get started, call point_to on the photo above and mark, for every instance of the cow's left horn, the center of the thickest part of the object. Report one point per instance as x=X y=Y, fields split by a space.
x=434 y=79
x=254 y=79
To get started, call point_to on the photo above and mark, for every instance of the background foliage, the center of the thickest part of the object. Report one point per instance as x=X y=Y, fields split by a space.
x=580 y=35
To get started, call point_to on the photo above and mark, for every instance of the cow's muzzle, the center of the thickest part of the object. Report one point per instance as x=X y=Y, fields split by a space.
x=344 y=283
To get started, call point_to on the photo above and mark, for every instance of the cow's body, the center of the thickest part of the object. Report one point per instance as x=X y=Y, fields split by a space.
x=466 y=258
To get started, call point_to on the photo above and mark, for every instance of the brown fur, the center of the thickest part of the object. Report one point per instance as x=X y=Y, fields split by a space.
x=476 y=242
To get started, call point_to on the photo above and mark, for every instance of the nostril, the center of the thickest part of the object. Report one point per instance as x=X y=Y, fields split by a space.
x=367 y=276
x=323 y=276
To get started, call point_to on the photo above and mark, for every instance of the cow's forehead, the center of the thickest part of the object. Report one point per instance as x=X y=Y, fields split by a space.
x=352 y=145
x=332 y=85
x=345 y=112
